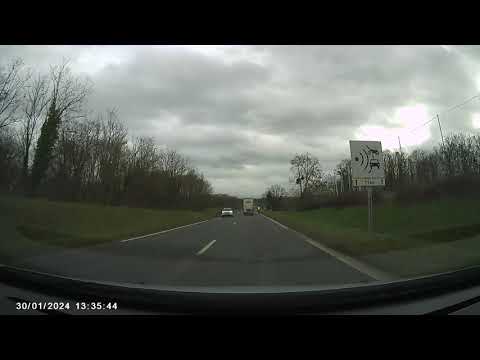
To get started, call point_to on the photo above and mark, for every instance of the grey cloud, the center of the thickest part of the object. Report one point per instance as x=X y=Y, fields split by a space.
x=191 y=85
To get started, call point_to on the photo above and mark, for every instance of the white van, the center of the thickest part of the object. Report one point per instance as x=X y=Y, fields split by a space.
x=248 y=207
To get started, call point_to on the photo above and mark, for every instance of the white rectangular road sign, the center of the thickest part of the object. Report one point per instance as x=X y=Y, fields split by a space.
x=367 y=163
x=368 y=182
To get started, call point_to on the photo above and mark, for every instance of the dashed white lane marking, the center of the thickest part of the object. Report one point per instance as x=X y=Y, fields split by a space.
x=206 y=247
x=354 y=263
x=164 y=231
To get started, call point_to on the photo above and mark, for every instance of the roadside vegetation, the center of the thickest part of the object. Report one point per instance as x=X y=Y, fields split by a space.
x=72 y=177
x=396 y=227
x=72 y=225
x=429 y=208
x=52 y=146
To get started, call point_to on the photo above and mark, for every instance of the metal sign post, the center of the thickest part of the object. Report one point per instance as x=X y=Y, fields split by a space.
x=367 y=170
x=370 y=209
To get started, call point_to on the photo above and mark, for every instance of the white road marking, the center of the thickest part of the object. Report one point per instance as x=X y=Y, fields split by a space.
x=164 y=231
x=354 y=263
x=274 y=221
x=206 y=247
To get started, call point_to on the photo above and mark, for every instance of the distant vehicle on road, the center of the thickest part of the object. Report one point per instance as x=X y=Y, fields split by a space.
x=227 y=212
x=248 y=207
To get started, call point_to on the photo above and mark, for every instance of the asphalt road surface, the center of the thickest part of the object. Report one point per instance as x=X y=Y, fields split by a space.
x=237 y=251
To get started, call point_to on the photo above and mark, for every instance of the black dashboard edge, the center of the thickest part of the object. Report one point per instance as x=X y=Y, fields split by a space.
x=286 y=302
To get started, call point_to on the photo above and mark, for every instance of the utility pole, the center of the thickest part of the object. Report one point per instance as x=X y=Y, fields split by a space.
x=399 y=144
x=440 y=126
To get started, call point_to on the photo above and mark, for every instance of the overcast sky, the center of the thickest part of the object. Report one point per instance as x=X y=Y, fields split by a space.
x=240 y=113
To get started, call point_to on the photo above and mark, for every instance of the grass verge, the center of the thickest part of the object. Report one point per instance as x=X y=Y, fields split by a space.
x=75 y=225
x=395 y=227
x=408 y=240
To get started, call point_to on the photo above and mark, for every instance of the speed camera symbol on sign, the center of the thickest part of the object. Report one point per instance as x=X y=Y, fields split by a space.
x=370 y=160
x=367 y=163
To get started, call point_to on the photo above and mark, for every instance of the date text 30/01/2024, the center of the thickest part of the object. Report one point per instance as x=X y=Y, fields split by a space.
x=66 y=306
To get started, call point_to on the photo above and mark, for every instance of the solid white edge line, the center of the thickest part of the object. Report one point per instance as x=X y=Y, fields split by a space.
x=163 y=231
x=276 y=222
x=354 y=263
x=206 y=247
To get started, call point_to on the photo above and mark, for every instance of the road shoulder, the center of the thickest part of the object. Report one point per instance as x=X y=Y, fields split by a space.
x=357 y=264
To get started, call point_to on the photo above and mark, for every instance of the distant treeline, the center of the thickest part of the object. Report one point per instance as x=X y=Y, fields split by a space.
x=51 y=146
x=450 y=169
x=458 y=156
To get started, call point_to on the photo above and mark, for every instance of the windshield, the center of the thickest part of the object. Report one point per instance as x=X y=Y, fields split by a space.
x=346 y=165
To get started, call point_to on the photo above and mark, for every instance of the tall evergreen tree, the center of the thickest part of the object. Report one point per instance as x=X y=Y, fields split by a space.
x=46 y=142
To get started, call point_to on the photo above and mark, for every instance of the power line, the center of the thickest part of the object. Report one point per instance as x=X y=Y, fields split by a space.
x=428 y=122
x=436 y=117
x=456 y=106
x=446 y=111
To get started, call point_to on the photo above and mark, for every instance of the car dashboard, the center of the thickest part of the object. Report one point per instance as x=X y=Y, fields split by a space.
x=19 y=288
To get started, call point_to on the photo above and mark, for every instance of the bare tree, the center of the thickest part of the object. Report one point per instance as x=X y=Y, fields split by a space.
x=274 y=195
x=174 y=166
x=195 y=189
x=278 y=191
x=173 y=163
x=78 y=157
x=344 y=170
x=72 y=156
x=306 y=170
x=9 y=159
x=68 y=91
x=144 y=155
x=11 y=88
x=112 y=155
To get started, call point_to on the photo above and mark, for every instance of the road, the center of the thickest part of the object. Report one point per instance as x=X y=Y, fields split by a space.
x=237 y=251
